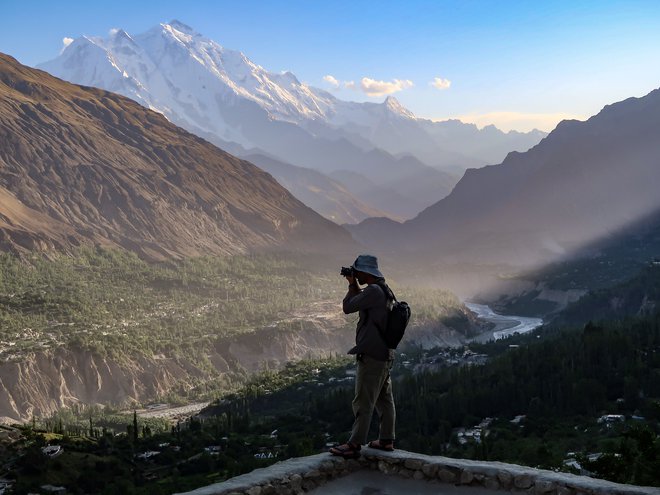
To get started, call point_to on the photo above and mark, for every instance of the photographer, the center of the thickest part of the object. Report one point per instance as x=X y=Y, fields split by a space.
x=373 y=385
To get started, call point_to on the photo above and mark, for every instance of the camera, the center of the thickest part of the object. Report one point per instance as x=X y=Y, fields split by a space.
x=347 y=271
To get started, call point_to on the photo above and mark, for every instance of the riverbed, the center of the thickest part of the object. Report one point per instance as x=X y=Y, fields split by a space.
x=505 y=325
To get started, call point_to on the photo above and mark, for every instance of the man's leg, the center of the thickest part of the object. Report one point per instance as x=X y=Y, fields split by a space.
x=369 y=379
x=386 y=411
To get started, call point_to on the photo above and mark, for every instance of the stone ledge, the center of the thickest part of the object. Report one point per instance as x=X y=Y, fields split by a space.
x=303 y=474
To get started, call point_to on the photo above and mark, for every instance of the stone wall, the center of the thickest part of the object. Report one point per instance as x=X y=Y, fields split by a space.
x=296 y=476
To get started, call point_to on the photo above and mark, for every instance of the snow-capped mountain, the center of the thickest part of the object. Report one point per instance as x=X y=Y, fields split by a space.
x=175 y=70
x=224 y=97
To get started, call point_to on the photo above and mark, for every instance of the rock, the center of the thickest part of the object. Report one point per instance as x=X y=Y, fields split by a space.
x=564 y=490
x=327 y=466
x=255 y=490
x=430 y=470
x=447 y=476
x=413 y=464
x=296 y=481
x=406 y=473
x=418 y=475
x=386 y=468
x=466 y=477
x=505 y=478
x=353 y=464
x=308 y=485
x=491 y=484
x=523 y=481
x=268 y=489
x=542 y=487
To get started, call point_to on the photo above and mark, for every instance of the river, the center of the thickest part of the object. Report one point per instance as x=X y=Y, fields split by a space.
x=505 y=325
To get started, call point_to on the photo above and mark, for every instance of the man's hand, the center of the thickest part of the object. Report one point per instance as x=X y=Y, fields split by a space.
x=351 y=280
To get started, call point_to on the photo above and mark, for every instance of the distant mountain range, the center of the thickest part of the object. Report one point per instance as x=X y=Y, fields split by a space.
x=81 y=166
x=221 y=95
x=582 y=182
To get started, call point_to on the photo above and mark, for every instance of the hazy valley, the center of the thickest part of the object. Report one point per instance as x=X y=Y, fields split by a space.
x=172 y=224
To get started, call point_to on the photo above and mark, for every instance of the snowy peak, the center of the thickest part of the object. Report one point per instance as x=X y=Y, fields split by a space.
x=181 y=27
x=213 y=91
x=122 y=36
x=394 y=106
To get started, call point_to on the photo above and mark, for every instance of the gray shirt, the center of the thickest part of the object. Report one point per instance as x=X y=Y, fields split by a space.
x=372 y=305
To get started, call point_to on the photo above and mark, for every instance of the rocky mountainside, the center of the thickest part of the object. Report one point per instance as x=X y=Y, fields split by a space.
x=81 y=165
x=325 y=195
x=43 y=382
x=223 y=96
x=582 y=182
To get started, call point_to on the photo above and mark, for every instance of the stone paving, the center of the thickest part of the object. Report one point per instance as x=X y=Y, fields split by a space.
x=368 y=482
x=306 y=474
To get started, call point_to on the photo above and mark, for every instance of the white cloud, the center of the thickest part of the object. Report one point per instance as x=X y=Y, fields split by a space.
x=519 y=121
x=440 y=83
x=332 y=81
x=349 y=85
x=380 y=88
x=66 y=42
x=113 y=31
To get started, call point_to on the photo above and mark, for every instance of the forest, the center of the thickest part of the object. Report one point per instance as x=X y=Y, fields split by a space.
x=114 y=304
x=539 y=400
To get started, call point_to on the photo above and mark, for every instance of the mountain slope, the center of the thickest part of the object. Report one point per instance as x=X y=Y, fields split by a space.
x=325 y=195
x=583 y=181
x=96 y=167
x=221 y=95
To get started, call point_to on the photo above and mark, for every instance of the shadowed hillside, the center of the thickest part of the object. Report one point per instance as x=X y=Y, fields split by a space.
x=582 y=182
x=80 y=165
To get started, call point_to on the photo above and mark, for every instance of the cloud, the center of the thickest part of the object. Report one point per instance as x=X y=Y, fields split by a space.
x=371 y=87
x=519 y=121
x=332 y=81
x=380 y=88
x=113 y=31
x=440 y=83
x=66 y=41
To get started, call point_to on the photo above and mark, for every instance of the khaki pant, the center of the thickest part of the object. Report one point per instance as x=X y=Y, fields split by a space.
x=373 y=388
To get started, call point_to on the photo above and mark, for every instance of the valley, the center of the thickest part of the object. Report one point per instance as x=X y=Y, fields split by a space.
x=504 y=325
x=104 y=327
x=174 y=216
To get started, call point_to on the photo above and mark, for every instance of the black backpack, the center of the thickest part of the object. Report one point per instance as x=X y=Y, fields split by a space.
x=397 y=318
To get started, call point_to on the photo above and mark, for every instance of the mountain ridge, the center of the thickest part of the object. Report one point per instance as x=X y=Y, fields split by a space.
x=581 y=182
x=223 y=96
x=118 y=174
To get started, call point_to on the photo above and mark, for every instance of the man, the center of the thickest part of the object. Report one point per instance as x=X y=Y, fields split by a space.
x=373 y=385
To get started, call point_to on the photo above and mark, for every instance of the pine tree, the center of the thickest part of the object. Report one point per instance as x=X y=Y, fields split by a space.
x=135 y=427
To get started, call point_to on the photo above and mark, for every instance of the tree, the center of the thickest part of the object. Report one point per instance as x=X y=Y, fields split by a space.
x=135 y=427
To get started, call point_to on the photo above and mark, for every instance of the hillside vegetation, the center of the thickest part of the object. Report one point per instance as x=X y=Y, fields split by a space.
x=176 y=331
x=113 y=303
x=540 y=403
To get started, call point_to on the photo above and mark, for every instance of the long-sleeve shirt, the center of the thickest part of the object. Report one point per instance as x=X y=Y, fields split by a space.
x=372 y=305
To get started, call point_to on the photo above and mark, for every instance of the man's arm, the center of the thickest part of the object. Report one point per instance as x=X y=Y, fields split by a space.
x=357 y=299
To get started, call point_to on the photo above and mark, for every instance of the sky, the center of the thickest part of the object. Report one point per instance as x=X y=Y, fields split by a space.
x=515 y=64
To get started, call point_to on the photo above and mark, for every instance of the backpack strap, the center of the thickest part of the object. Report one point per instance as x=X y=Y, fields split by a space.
x=388 y=292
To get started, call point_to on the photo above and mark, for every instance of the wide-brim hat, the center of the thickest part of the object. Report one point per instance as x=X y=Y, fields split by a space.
x=368 y=264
